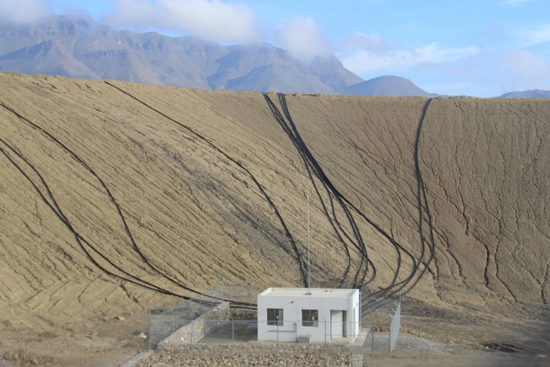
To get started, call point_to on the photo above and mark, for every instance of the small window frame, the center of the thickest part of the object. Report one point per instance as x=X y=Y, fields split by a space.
x=275 y=317
x=310 y=318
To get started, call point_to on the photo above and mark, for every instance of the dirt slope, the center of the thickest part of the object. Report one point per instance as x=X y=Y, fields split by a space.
x=202 y=184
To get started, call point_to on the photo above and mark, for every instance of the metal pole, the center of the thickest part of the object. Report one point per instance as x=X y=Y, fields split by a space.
x=149 y=330
x=223 y=283
x=372 y=336
x=277 y=334
x=250 y=297
x=389 y=317
x=308 y=262
x=325 y=320
x=163 y=323
x=232 y=334
x=360 y=308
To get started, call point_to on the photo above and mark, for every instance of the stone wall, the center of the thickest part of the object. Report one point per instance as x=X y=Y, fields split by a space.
x=257 y=348
x=198 y=328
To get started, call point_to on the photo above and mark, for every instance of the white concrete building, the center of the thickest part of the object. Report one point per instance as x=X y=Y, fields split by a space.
x=317 y=315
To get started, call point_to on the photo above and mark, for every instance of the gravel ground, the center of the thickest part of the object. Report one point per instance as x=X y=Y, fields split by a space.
x=169 y=360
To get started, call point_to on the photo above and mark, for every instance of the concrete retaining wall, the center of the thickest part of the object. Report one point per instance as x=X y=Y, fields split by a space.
x=198 y=328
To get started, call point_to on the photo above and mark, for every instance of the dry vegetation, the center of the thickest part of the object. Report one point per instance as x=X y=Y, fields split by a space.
x=192 y=208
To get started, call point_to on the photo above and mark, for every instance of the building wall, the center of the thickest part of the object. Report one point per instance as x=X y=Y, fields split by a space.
x=356 y=309
x=292 y=318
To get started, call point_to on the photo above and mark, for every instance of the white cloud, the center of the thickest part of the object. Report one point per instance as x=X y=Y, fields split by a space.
x=305 y=39
x=213 y=19
x=536 y=36
x=363 y=54
x=373 y=43
x=23 y=11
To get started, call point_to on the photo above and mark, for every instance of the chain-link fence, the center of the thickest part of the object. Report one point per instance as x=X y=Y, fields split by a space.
x=163 y=323
x=395 y=325
x=378 y=310
x=240 y=337
x=244 y=331
x=233 y=335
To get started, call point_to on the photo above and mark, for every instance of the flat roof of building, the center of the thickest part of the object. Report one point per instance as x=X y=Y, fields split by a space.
x=313 y=292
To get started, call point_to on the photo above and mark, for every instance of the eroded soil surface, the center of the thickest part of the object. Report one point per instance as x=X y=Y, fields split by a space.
x=119 y=198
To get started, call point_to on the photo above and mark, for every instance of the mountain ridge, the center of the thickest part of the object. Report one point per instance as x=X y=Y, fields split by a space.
x=387 y=86
x=86 y=49
x=82 y=48
x=534 y=93
x=79 y=47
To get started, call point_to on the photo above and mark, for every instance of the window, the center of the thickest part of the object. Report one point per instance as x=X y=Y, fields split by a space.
x=310 y=318
x=275 y=316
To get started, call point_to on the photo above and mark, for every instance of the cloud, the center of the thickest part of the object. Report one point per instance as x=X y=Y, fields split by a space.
x=23 y=11
x=305 y=39
x=536 y=36
x=373 y=43
x=362 y=54
x=212 y=19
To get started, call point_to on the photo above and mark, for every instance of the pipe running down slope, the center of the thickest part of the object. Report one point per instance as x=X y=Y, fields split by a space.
x=346 y=228
x=420 y=265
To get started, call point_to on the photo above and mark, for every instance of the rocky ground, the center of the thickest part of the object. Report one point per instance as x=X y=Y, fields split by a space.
x=305 y=360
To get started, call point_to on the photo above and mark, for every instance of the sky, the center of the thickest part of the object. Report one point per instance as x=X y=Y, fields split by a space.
x=480 y=48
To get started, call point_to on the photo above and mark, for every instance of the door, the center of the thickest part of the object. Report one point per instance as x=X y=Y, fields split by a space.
x=337 y=324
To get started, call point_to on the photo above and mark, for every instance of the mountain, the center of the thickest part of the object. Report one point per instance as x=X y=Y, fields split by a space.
x=82 y=48
x=535 y=93
x=392 y=86
x=49 y=57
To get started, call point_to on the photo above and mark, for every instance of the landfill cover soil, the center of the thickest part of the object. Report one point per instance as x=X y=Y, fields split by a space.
x=119 y=198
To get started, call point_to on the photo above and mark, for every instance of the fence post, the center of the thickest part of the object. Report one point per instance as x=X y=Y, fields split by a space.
x=372 y=336
x=325 y=320
x=277 y=334
x=360 y=309
x=389 y=317
x=149 y=330
x=232 y=335
x=163 y=323
x=250 y=300
x=223 y=283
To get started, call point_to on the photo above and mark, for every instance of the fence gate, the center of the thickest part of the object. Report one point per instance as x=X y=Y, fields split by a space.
x=395 y=325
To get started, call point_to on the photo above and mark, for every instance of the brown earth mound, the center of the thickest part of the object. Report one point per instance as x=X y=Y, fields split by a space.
x=112 y=193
